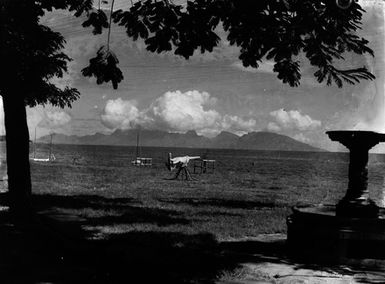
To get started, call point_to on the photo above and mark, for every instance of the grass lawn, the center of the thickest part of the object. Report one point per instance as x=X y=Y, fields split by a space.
x=237 y=200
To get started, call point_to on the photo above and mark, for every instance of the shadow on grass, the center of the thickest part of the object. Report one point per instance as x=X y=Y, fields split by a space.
x=226 y=203
x=53 y=247
x=94 y=210
x=38 y=252
x=44 y=201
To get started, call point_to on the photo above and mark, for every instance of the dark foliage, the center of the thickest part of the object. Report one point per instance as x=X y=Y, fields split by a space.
x=278 y=31
x=98 y=20
x=31 y=56
x=104 y=68
x=77 y=6
x=273 y=30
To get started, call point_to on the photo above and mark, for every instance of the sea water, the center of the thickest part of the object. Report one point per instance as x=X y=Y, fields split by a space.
x=328 y=167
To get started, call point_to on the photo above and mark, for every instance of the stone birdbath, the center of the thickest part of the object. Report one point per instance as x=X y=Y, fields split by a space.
x=353 y=230
x=356 y=202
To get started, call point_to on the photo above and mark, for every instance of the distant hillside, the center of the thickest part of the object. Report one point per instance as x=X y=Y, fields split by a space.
x=225 y=140
x=190 y=139
x=272 y=141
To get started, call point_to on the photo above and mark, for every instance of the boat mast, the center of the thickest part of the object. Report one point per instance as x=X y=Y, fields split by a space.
x=137 y=143
x=50 y=148
x=34 y=145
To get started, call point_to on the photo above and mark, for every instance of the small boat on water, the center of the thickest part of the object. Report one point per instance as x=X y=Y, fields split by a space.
x=140 y=161
x=51 y=157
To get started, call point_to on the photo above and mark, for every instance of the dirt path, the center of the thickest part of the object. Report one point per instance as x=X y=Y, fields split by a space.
x=260 y=268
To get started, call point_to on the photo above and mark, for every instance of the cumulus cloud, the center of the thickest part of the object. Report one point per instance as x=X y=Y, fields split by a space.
x=46 y=120
x=274 y=127
x=175 y=111
x=54 y=119
x=301 y=137
x=292 y=119
x=184 y=111
x=238 y=125
x=121 y=114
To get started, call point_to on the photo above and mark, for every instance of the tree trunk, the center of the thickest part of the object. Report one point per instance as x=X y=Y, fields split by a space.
x=17 y=139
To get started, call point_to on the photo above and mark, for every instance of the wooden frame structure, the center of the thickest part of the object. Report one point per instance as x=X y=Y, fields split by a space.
x=142 y=162
x=204 y=166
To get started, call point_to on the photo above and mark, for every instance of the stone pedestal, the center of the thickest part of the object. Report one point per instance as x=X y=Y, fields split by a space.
x=356 y=202
x=3 y=165
x=353 y=231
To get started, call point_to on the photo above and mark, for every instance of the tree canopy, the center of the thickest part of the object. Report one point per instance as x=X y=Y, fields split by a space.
x=31 y=55
x=278 y=30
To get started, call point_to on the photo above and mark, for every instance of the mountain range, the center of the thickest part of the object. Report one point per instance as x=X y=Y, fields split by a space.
x=156 y=138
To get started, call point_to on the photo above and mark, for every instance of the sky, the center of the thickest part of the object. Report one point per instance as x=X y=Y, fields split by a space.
x=211 y=92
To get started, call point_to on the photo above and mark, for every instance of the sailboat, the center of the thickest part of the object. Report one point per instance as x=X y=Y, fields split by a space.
x=51 y=156
x=139 y=161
